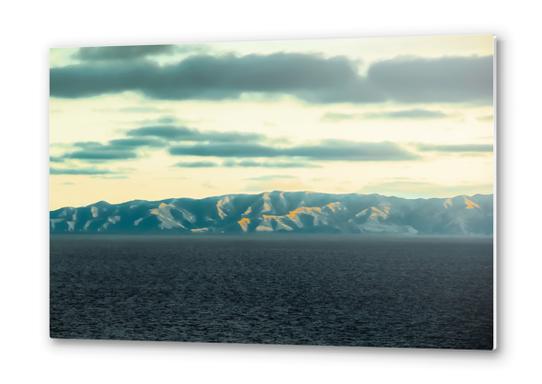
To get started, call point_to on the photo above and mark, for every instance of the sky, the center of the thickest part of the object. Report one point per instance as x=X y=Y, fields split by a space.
x=409 y=117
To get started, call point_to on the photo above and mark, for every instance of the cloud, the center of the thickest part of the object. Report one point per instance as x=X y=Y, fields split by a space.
x=195 y=164
x=80 y=171
x=421 y=189
x=271 y=177
x=335 y=117
x=352 y=151
x=414 y=114
x=181 y=133
x=94 y=151
x=170 y=120
x=138 y=142
x=193 y=48
x=123 y=52
x=455 y=147
x=162 y=120
x=56 y=159
x=328 y=150
x=99 y=155
x=226 y=150
x=309 y=77
x=485 y=118
x=408 y=114
x=267 y=164
x=119 y=149
x=141 y=110
x=149 y=137
x=448 y=79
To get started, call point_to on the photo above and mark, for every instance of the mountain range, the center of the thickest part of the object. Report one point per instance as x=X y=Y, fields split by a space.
x=301 y=212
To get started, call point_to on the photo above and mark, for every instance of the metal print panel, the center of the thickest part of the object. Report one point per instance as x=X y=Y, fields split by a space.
x=318 y=192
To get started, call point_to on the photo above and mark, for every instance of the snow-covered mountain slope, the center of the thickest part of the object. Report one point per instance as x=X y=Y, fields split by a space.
x=305 y=212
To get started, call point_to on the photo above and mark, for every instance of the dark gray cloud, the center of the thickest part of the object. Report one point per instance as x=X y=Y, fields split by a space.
x=114 y=150
x=100 y=156
x=196 y=164
x=94 y=151
x=267 y=164
x=225 y=150
x=414 y=114
x=123 y=52
x=150 y=137
x=328 y=150
x=80 y=171
x=271 y=177
x=97 y=155
x=138 y=142
x=446 y=79
x=353 y=151
x=309 y=77
x=181 y=133
x=455 y=147
x=121 y=149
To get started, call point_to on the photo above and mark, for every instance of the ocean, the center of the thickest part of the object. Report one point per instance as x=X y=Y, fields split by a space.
x=409 y=292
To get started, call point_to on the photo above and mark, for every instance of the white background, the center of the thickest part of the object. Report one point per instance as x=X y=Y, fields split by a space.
x=29 y=29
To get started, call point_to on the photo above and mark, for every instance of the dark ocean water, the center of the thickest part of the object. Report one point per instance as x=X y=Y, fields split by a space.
x=313 y=290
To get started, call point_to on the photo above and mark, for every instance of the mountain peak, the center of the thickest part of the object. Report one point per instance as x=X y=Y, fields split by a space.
x=100 y=203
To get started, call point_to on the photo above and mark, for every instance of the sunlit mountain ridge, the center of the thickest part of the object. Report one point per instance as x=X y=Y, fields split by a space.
x=295 y=212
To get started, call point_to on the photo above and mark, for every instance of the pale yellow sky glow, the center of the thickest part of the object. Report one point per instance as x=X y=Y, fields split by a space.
x=437 y=136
